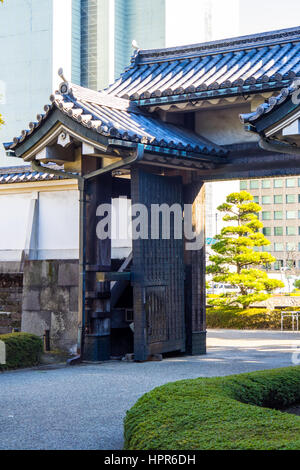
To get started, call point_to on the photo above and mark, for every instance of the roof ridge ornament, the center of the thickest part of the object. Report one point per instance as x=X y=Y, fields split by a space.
x=135 y=45
x=64 y=87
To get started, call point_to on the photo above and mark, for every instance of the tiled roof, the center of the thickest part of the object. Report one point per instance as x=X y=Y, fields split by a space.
x=24 y=174
x=227 y=67
x=121 y=121
x=272 y=104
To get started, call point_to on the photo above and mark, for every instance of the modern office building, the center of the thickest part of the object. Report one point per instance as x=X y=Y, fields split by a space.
x=31 y=51
x=280 y=202
x=90 y=39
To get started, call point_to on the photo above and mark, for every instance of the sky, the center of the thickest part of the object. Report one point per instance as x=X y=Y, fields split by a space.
x=229 y=18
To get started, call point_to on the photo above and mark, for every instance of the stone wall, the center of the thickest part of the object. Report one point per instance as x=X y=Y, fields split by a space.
x=10 y=301
x=50 y=301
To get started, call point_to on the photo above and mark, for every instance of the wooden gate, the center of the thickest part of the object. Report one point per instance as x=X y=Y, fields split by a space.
x=158 y=271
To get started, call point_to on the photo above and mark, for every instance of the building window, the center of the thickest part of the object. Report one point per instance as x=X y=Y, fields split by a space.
x=278 y=215
x=290 y=183
x=278 y=264
x=254 y=184
x=266 y=200
x=243 y=185
x=290 y=246
x=266 y=215
x=278 y=247
x=299 y=198
x=267 y=248
x=256 y=199
x=290 y=264
x=267 y=267
x=278 y=183
x=278 y=199
x=278 y=231
x=266 y=184
x=290 y=198
x=267 y=231
x=290 y=215
x=291 y=230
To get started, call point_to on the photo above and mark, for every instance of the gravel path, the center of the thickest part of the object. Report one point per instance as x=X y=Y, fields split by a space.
x=83 y=407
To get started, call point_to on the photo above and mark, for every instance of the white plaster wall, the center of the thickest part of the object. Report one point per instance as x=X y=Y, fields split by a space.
x=58 y=230
x=14 y=211
x=58 y=226
x=222 y=126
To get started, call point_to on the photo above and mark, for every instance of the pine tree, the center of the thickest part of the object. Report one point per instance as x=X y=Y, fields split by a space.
x=236 y=261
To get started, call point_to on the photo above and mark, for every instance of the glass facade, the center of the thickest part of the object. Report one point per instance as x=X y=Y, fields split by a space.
x=107 y=31
x=291 y=183
x=290 y=215
x=278 y=215
x=266 y=200
x=291 y=230
x=278 y=183
x=278 y=231
x=265 y=215
x=291 y=198
x=266 y=184
x=278 y=247
x=278 y=199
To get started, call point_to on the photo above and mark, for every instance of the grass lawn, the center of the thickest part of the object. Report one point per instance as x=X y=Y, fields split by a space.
x=239 y=412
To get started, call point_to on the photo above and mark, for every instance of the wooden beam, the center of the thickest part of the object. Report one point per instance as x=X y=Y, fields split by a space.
x=248 y=160
x=55 y=153
x=113 y=276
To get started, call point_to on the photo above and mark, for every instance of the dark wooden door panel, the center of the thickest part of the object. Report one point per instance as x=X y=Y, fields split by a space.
x=158 y=272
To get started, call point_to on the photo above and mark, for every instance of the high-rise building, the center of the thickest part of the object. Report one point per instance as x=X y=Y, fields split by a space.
x=90 y=39
x=36 y=38
x=280 y=202
x=108 y=28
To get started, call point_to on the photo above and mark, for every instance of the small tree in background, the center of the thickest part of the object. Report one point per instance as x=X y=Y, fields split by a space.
x=236 y=262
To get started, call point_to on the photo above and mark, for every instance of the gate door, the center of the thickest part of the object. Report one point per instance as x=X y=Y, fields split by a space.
x=158 y=270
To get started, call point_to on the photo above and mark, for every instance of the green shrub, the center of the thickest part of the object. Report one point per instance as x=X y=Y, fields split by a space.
x=224 y=413
x=22 y=350
x=250 y=319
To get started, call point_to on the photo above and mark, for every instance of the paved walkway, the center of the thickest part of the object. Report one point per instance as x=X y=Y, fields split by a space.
x=83 y=407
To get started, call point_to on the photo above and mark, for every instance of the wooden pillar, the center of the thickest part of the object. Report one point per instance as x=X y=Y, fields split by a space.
x=98 y=258
x=195 y=266
x=141 y=350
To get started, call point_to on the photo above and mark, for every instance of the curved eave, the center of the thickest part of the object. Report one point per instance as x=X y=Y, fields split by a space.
x=275 y=119
x=52 y=126
x=193 y=96
x=45 y=131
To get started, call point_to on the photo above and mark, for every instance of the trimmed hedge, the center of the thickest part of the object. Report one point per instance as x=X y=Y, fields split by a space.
x=22 y=350
x=251 y=319
x=224 y=413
